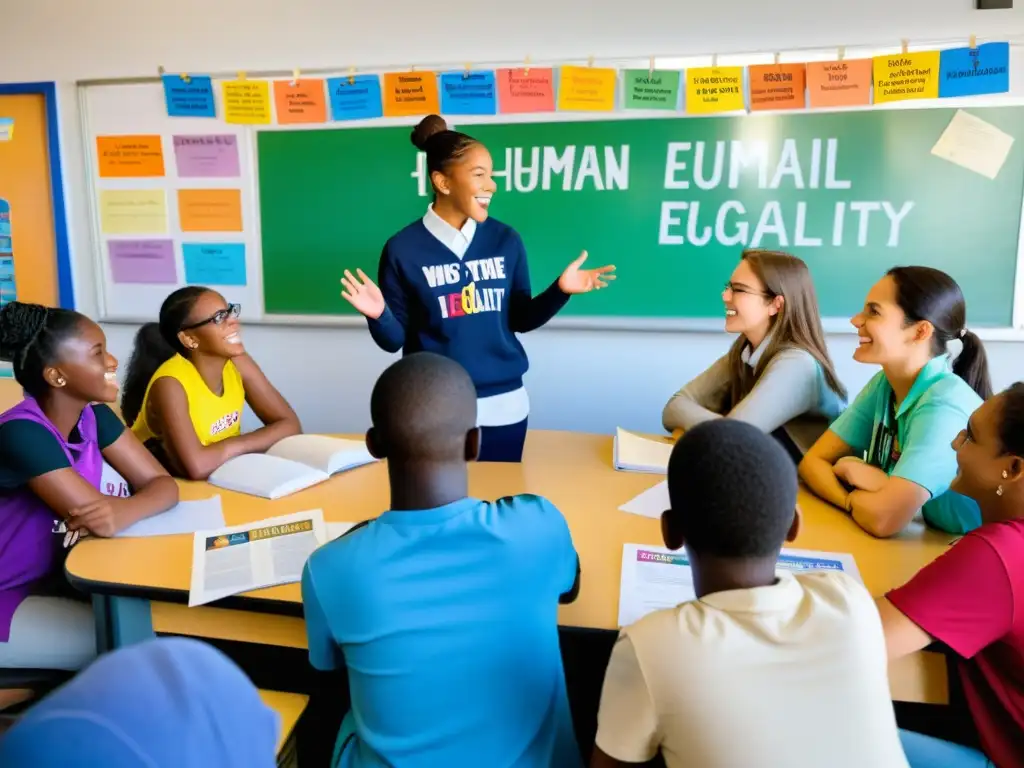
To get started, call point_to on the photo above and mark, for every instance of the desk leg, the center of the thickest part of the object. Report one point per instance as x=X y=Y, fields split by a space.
x=121 y=621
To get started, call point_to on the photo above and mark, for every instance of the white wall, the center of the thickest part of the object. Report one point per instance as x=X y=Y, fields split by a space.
x=328 y=373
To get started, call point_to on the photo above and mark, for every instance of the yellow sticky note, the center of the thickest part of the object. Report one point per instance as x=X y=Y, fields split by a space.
x=246 y=102
x=133 y=211
x=587 y=89
x=714 y=89
x=906 y=76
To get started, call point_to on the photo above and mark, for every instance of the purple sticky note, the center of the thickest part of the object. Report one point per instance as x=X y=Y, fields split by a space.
x=207 y=156
x=142 y=261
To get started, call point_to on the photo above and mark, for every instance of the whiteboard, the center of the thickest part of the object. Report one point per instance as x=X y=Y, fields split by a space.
x=140 y=109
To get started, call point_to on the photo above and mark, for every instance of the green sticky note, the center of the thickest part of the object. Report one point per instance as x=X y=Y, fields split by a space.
x=652 y=90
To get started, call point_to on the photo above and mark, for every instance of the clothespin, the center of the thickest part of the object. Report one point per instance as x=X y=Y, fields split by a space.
x=160 y=71
x=841 y=53
x=469 y=68
x=185 y=78
x=241 y=76
x=590 y=61
x=973 y=42
x=777 y=56
x=526 y=66
x=650 y=69
x=295 y=77
x=351 y=75
x=412 y=68
x=714 y=61
x=906 y=44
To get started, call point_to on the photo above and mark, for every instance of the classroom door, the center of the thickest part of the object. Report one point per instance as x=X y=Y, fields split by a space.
x=28 y=244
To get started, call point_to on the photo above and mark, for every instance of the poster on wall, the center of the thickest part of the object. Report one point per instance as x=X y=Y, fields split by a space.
x=7 y=287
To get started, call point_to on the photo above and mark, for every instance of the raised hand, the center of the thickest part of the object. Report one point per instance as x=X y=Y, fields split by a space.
x=363 y=294
x=576 y=280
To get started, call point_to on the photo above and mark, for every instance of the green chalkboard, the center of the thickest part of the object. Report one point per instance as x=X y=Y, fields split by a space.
x=671 y=202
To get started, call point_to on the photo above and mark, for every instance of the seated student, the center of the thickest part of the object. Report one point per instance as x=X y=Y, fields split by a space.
x=188 y=380
x=778 y=375
x=165 y=703
x=764 y=667
x=52 y=447
x=888 y=455
x=972 y=597
x=445 y=608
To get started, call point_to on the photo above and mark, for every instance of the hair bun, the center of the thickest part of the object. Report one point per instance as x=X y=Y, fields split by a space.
x=20 y=324
x=429 y=126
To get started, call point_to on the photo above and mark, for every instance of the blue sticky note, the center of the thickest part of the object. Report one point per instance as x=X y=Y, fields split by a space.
x=355 y=98
x=468 y=93
x=189 y=96
x=214 y=263
x=974 y=71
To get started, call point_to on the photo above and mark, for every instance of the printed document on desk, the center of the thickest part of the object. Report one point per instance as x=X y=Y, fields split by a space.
x=228 y=561
x=654 y=577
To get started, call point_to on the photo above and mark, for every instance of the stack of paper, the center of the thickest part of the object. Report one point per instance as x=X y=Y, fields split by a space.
x=184 y=517
x=654 y=577
x=634 y=453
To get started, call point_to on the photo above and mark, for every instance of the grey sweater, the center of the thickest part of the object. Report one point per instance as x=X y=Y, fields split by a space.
x=792 y=393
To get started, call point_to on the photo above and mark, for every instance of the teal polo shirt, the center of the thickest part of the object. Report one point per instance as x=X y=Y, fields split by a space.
x=919 y=449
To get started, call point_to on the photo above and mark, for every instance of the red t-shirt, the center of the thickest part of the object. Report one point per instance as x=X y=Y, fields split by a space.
x=972 y=599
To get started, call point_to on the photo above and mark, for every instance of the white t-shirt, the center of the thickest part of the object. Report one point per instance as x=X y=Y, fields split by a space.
x=794 y=674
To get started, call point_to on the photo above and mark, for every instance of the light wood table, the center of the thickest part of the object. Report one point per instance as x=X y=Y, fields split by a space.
x=10 y=393
x=573 y=470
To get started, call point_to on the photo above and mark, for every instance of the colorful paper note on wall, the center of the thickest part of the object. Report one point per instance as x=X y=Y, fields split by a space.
x=651 y=90
x=587 y=89
x=906 y=76
x=213 y=156
x=133 y=211
x=124 y=157
x=355 y=98
x=714 y=89
x=210 y=210
x=188 y=96
x=844 y=83
x=6 y=128
x=521 y=90
x=777 y=86
x=974 y=71
x=410 y=94
x=214 y=263
x=246 y=102
x=468 y=93
x=974 y=144
x=302 y=102
x=142 y=261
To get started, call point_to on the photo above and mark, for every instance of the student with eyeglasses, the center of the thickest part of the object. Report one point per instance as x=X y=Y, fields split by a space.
x=777 y=375
x=188 y=380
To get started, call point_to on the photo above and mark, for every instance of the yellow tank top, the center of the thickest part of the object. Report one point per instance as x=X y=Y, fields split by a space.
x=213 y=418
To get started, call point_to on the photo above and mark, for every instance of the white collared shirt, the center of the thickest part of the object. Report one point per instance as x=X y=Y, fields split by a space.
x=497 y=410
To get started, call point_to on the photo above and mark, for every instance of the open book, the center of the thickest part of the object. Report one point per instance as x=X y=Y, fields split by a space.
x=634 y=453
x=292 y=464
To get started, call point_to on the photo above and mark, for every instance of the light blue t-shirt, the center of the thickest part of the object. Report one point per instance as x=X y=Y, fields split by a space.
x=920 y=448
x=447 y=620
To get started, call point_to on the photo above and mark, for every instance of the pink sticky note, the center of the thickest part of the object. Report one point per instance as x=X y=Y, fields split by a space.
x=207 y=156
x=142 y=261
x=520 y=90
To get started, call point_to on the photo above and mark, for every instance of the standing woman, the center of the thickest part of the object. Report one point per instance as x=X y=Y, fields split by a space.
x=889 y=454
x=456 y=282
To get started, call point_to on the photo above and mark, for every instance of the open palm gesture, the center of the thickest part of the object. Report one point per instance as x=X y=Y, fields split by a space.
x=576 y=280
x=363 y=294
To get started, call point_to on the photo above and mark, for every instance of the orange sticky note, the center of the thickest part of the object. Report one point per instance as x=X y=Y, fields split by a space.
x=410 y=94
x=303 y=102
x=246 y=102
x=122 y=157
x=587 y=89
x=210 y=210
x=714 y=89
x=906 y=76
x=839 y=83
x=777 y=86
x=521 y=90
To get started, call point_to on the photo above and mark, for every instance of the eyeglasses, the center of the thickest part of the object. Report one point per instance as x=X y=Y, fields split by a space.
x=217 y=318
x=737 y=288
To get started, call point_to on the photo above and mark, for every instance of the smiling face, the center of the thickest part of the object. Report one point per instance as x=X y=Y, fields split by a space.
x=467 y=186
x=212 y=327
x=749 y=307
x=980 y=456
x=883 y=335
x=88 y=370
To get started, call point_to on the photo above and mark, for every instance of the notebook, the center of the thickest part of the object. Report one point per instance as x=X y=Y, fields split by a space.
x=634 y=453
x=291 y=465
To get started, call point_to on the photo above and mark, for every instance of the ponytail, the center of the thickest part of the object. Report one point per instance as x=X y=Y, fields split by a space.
x=971 y=365
x=150 y=352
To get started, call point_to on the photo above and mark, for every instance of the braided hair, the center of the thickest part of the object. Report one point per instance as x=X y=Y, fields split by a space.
x=30 y=336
